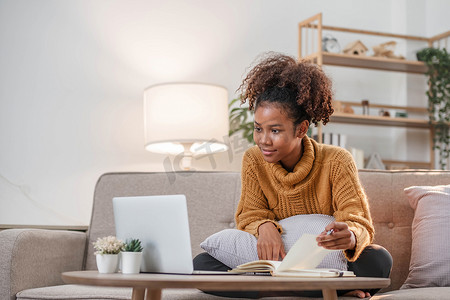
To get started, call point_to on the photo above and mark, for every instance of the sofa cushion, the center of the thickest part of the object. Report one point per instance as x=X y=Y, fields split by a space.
x=75 y=292
x=233 y=247
x=84 y=292
x=430 y=255
x=432 y=293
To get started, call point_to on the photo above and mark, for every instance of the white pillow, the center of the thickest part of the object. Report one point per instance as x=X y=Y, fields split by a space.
x=233 y=247
x=430 y=254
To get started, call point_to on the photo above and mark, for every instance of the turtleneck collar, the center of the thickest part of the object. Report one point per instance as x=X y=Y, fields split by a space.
x=301 y=169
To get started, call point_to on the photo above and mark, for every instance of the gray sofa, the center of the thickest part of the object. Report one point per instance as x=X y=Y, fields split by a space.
x=31 y=261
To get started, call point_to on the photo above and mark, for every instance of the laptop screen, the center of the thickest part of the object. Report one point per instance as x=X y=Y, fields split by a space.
x=162 y=225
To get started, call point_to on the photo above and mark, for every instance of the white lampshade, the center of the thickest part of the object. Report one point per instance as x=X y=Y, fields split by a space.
x=186 y=117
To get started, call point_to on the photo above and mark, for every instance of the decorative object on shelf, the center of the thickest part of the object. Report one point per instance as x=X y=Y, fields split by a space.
x=337 y=105
x=131 y=257
x=355 y=48
x=348 y=109
x=386 y=50
x=330 y=44
x=365 y=107
x=438 y=62
x=375 y=162
x=384 y=113
x=178 y=120
x=401 y=114
x=107 y=253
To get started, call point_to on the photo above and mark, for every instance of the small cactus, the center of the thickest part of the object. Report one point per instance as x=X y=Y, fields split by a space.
x=133 y=245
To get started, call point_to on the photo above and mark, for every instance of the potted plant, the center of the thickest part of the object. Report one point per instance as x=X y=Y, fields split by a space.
x=438 y=63
x=107 y=253
x=131 y=256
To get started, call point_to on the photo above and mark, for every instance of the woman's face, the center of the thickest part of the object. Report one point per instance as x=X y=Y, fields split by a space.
x=276 y=136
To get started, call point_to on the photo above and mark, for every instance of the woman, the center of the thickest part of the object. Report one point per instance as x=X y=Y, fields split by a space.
x=288 y=174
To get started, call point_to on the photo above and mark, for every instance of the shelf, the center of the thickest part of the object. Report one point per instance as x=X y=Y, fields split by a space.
x=421 y=110
x=377 y=33
x=379 y=121
x=369 y=62
x=399 y=164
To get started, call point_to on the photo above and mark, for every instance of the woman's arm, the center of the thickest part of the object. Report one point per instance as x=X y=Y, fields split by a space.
x=337 y=236
x=253 y=208
x=270 y=245
x=254 y=215
x=351 y=207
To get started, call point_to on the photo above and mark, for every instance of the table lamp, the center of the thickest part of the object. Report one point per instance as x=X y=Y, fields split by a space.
x=186 y=118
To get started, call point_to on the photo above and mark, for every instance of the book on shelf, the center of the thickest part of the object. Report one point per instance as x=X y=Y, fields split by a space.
x=336 y=139
x=343 y=141
x=301 y=261
x=326 y=138
x=358 y=156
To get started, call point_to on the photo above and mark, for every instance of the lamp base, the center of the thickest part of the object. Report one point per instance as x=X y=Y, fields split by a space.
x=186 y=161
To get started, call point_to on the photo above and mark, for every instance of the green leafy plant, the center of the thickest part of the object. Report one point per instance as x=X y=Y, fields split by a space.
x=438 y=73
x=241 y=119
x=133 y=245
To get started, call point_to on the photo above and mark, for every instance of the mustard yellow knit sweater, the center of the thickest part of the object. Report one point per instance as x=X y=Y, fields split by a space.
x=324 y=181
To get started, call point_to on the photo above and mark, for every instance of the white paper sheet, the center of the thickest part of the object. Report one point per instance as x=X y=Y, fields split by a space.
x=305 y=254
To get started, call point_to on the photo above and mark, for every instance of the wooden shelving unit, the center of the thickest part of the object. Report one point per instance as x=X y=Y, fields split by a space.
x=310 y=48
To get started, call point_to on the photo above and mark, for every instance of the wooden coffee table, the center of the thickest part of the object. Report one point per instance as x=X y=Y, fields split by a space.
x=154 y=283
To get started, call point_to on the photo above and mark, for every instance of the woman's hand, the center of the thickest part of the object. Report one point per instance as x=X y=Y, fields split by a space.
x=270 y=246
x=341 y=238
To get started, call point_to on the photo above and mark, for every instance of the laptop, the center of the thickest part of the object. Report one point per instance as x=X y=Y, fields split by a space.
x=162 y=225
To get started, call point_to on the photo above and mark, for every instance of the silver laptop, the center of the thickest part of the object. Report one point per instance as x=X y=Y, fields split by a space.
x=161 y=223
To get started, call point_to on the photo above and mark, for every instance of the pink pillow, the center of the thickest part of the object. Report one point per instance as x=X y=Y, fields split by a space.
x=430 y=252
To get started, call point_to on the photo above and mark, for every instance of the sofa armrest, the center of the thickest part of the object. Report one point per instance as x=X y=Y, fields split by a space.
x=31 y=258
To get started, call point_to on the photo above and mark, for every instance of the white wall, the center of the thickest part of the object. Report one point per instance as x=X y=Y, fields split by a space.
x=72 y=75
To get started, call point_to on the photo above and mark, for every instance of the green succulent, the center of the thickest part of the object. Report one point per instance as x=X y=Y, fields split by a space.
x=132 y=245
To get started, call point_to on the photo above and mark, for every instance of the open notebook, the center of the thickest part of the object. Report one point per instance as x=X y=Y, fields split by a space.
x=301 y=261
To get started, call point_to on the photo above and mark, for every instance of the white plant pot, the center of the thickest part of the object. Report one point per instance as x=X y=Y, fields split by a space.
x=107 y=263
x=131 y=262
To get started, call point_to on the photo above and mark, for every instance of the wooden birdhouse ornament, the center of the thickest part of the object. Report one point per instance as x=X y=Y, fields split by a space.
x=355 y=48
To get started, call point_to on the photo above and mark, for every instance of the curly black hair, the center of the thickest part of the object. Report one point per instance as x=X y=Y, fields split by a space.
x=300 y=87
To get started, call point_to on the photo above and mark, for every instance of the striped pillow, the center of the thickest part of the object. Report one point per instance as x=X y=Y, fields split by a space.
x=233 y=247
